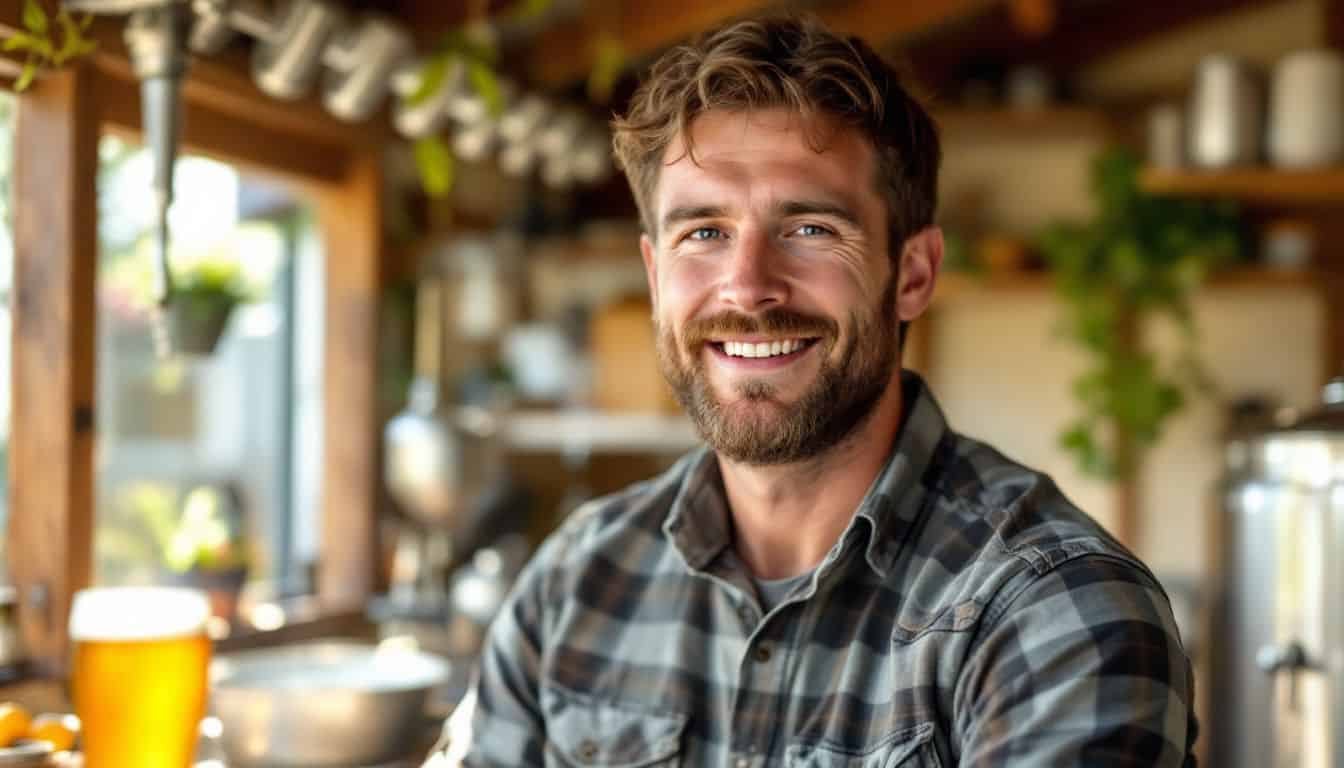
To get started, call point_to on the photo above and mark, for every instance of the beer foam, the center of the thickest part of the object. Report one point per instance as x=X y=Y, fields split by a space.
x=138 y=613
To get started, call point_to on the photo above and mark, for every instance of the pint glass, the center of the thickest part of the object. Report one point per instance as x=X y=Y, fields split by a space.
x=139 y=674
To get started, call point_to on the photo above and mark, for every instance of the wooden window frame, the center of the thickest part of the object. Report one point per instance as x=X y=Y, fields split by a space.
x=336 y=166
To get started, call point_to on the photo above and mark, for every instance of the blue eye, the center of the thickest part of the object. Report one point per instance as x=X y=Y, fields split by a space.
x=812 y=230
x=704 y=233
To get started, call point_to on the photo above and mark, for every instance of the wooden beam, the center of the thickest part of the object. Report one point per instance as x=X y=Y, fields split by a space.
x=52 y=370
x=566 y=52
x=222 y=84
x=254 y=146
x=1082 y=32
x=350 y=216
x=1090 y=31
x=1334 y=23
x=882 y=22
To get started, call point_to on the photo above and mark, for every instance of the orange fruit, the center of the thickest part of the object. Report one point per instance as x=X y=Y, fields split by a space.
x=57 y=730
x=14 y=722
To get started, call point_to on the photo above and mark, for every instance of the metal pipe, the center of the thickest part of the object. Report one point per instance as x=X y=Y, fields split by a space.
x=157 y=41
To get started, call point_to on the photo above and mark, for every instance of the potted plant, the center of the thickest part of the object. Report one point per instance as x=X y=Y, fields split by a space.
x=207 y=549
x=202 y=299
x=1139 y=258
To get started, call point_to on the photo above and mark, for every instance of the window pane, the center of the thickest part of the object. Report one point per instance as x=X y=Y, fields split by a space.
x=197 y=476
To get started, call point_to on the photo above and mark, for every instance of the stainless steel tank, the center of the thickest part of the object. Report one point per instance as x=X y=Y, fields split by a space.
x=1277 y=677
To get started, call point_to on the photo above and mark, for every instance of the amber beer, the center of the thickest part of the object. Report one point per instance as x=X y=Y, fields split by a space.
x=139 y=678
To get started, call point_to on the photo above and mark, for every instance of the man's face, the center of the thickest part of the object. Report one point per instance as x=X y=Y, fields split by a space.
x=774 y=295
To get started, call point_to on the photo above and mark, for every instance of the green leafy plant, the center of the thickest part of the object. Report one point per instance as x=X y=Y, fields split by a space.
x=39 y=44
x=609 y=58
x=1138 y=259
x=215 y=279
x=479 y=56
x=205 y=537
x=202 y=299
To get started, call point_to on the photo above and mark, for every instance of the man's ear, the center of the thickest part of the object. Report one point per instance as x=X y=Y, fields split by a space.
x=921 y=258
x=650 y=268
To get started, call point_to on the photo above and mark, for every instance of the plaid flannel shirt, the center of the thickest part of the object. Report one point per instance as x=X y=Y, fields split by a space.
x=968 y=616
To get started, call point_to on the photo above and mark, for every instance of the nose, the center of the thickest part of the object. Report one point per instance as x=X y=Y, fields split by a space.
x=752 y=280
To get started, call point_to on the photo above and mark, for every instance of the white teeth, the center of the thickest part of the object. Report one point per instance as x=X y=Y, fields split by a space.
x=763 y=349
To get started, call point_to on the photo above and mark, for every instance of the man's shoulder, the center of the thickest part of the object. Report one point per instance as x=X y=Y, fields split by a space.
x=615 y=522
x=1015 y=510
x=994 y=527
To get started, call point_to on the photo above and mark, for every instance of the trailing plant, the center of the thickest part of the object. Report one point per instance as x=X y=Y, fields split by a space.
x=475 y=49
x=1139 y=259
x=38 y=40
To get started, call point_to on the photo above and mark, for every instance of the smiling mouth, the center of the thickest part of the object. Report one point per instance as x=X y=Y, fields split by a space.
x=762 y=349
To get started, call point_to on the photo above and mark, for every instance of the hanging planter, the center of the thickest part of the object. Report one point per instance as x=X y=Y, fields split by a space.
x=200 y=304
x=198 y=322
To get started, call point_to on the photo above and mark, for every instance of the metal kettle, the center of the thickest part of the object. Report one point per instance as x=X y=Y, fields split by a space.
x=1278 y=672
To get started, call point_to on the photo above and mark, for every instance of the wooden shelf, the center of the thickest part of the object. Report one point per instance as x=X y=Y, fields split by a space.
x=957 y=286
x=1048 y=123
x=1251 y=185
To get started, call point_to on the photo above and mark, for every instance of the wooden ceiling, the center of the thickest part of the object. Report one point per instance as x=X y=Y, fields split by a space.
x=938 y=37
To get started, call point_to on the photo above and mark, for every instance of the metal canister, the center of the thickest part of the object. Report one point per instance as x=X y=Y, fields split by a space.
x=1225 y=115
x=1278 y=640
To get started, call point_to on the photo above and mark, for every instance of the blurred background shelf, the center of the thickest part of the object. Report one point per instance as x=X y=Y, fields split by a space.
x=957 y=286
x=1251 y=185
x=1043 y=124
x=593 y=431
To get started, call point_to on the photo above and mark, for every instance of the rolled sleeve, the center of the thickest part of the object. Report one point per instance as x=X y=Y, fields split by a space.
x=1082 y=666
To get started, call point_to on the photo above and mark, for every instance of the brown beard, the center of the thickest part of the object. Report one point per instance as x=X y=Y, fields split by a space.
x=839 y=401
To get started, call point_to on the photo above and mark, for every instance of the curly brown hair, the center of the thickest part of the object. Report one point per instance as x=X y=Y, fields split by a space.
x=797 y=63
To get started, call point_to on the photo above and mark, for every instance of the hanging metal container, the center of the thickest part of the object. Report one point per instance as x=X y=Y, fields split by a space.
x=430 y=115
x=369 y=53
x=286 y=65
x=1225 y=114
x=1278 y=639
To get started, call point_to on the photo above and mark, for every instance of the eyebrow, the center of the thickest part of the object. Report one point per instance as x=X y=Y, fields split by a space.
x=690 y=213
x=817 y=208
x=683 y=213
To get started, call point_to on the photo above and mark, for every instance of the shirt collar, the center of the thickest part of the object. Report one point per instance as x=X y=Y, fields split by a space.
x=698 y=522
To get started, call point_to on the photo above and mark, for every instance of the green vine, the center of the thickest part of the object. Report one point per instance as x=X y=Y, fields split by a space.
x=1139 y=259
x=38 y=41
x=479 y=55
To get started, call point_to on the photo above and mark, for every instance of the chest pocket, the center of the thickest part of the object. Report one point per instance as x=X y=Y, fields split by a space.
x=910 y=748
x=583 y=732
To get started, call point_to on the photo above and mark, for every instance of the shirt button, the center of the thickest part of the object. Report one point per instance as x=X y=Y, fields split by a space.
x=762 y=653
x=744 y=613
x=586 y=751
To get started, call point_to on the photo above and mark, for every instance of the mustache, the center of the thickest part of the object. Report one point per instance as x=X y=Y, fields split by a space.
x=779 y=322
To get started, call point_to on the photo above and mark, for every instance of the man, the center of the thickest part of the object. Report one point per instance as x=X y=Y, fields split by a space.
x=837 y=579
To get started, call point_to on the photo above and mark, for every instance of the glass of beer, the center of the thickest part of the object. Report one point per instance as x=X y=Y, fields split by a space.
x=140 y=674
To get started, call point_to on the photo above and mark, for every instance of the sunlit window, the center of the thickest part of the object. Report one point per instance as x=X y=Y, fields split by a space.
x=206 y=472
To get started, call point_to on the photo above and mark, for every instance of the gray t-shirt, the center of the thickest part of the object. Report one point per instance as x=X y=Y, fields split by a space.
x=773 y=591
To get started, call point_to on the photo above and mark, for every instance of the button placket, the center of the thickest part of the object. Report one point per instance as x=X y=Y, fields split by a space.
x=761 y=653
x=586 y=751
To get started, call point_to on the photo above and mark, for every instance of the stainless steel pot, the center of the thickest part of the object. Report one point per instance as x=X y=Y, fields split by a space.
x=323 y=704
x=1278 y=641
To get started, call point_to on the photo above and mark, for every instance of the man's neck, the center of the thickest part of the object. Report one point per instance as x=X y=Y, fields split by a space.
x=787 y=517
